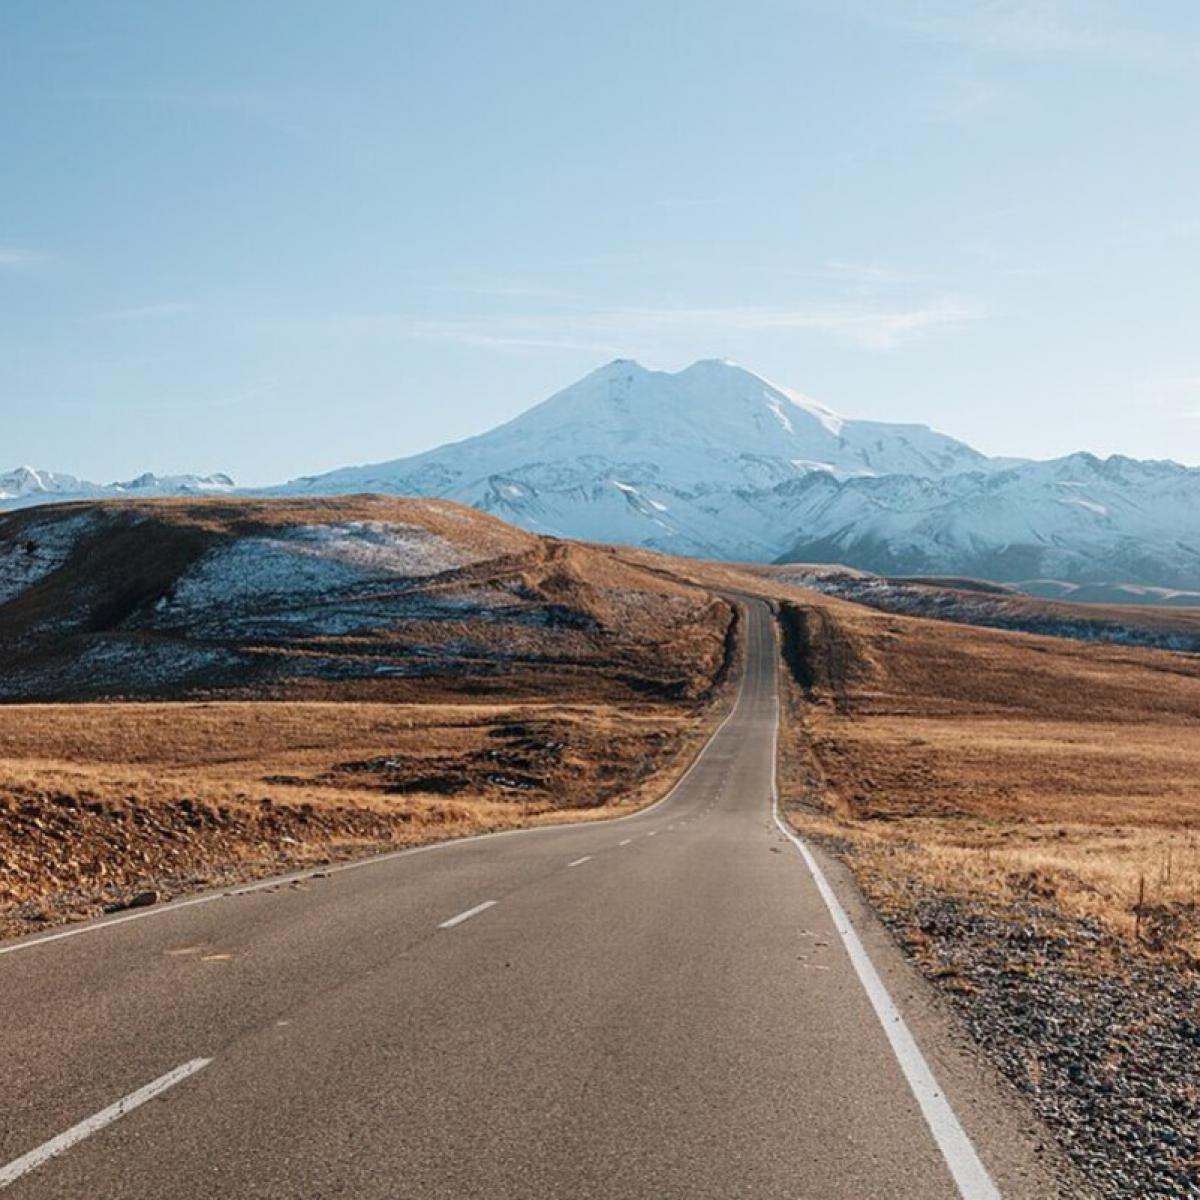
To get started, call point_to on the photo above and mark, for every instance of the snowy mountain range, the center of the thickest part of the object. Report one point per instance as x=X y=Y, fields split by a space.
x=26 y=486
x=1080 y=519
x=716 y=462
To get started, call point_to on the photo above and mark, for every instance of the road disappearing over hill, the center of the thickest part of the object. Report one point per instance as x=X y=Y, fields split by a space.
x=668 y=1005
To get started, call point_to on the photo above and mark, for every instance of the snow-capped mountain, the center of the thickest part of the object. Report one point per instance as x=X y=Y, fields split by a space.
x=669 y=461
x=27 y=486
x=714 y=421
x=28 y=481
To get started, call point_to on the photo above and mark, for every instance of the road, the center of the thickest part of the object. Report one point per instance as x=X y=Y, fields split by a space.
x=660 y=1006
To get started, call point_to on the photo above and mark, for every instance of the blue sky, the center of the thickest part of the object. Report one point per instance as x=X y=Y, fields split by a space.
x=274 y=238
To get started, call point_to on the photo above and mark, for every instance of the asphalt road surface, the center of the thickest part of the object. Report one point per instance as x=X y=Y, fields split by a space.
x=660 y=1006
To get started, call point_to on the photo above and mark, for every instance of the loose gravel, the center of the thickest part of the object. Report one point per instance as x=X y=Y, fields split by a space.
x=1105 y=1040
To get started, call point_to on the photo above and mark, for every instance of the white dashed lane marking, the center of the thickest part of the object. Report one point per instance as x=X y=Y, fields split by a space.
x=466 y=916
x=106 y=1116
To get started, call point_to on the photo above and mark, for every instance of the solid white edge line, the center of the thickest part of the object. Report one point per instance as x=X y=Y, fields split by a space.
x=374 y=859
x=580 y=861
x=57 y=1145
x=76 y=930
x=970 y=1175
x=466 y=916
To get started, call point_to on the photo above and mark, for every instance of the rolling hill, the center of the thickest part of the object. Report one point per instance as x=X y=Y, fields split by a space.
x=332 y=598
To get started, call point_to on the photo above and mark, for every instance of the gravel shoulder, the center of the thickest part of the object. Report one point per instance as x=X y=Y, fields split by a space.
x=1101 y=1041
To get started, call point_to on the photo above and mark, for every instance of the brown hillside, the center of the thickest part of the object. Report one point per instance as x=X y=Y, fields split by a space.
x=364 y=596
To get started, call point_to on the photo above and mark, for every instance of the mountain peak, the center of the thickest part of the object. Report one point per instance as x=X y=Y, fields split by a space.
x=617 y=368
x=621 y=368
x=653 y=441
x=716 y=365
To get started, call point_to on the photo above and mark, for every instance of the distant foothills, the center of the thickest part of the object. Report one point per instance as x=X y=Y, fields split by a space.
x=715 y=462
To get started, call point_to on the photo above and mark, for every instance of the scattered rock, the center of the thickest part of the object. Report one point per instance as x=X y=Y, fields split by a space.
x=138 y=900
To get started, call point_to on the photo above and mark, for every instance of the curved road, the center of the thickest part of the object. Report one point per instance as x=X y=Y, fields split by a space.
x=660 y=1006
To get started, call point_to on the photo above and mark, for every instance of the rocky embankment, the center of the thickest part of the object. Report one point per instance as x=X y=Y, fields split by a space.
x=68 y=857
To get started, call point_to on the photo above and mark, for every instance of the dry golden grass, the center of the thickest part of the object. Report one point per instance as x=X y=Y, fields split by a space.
x=244 y=742
x=243 y=515
x=1006 y=766
x=100 y=801
x=1001 y=764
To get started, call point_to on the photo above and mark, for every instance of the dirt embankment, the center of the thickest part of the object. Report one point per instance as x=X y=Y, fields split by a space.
x=1023 y=813
x=823 y=659
x=104 y=805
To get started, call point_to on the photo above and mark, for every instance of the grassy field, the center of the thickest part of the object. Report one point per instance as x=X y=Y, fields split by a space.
x=101 y=802
x=1004 y=766
x=1022 y=810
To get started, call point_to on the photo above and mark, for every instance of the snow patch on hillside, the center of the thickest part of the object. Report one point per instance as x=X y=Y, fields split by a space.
x=1088 y=506
x=313 y=559
x=775 y=404
x=990 y=611
x=42 y=547
x=151 y=663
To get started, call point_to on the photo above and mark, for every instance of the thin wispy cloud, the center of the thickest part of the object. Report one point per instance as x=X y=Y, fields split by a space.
x=462 y=334
x=860 y=327
x=685 y=202
x=501 y=290
x=1085 y=29
x=18 y=256
x=968 y=102
x=997 y=260
x=875 y=328
x=845 y=271
x=515 y=334
x=1185 y=230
